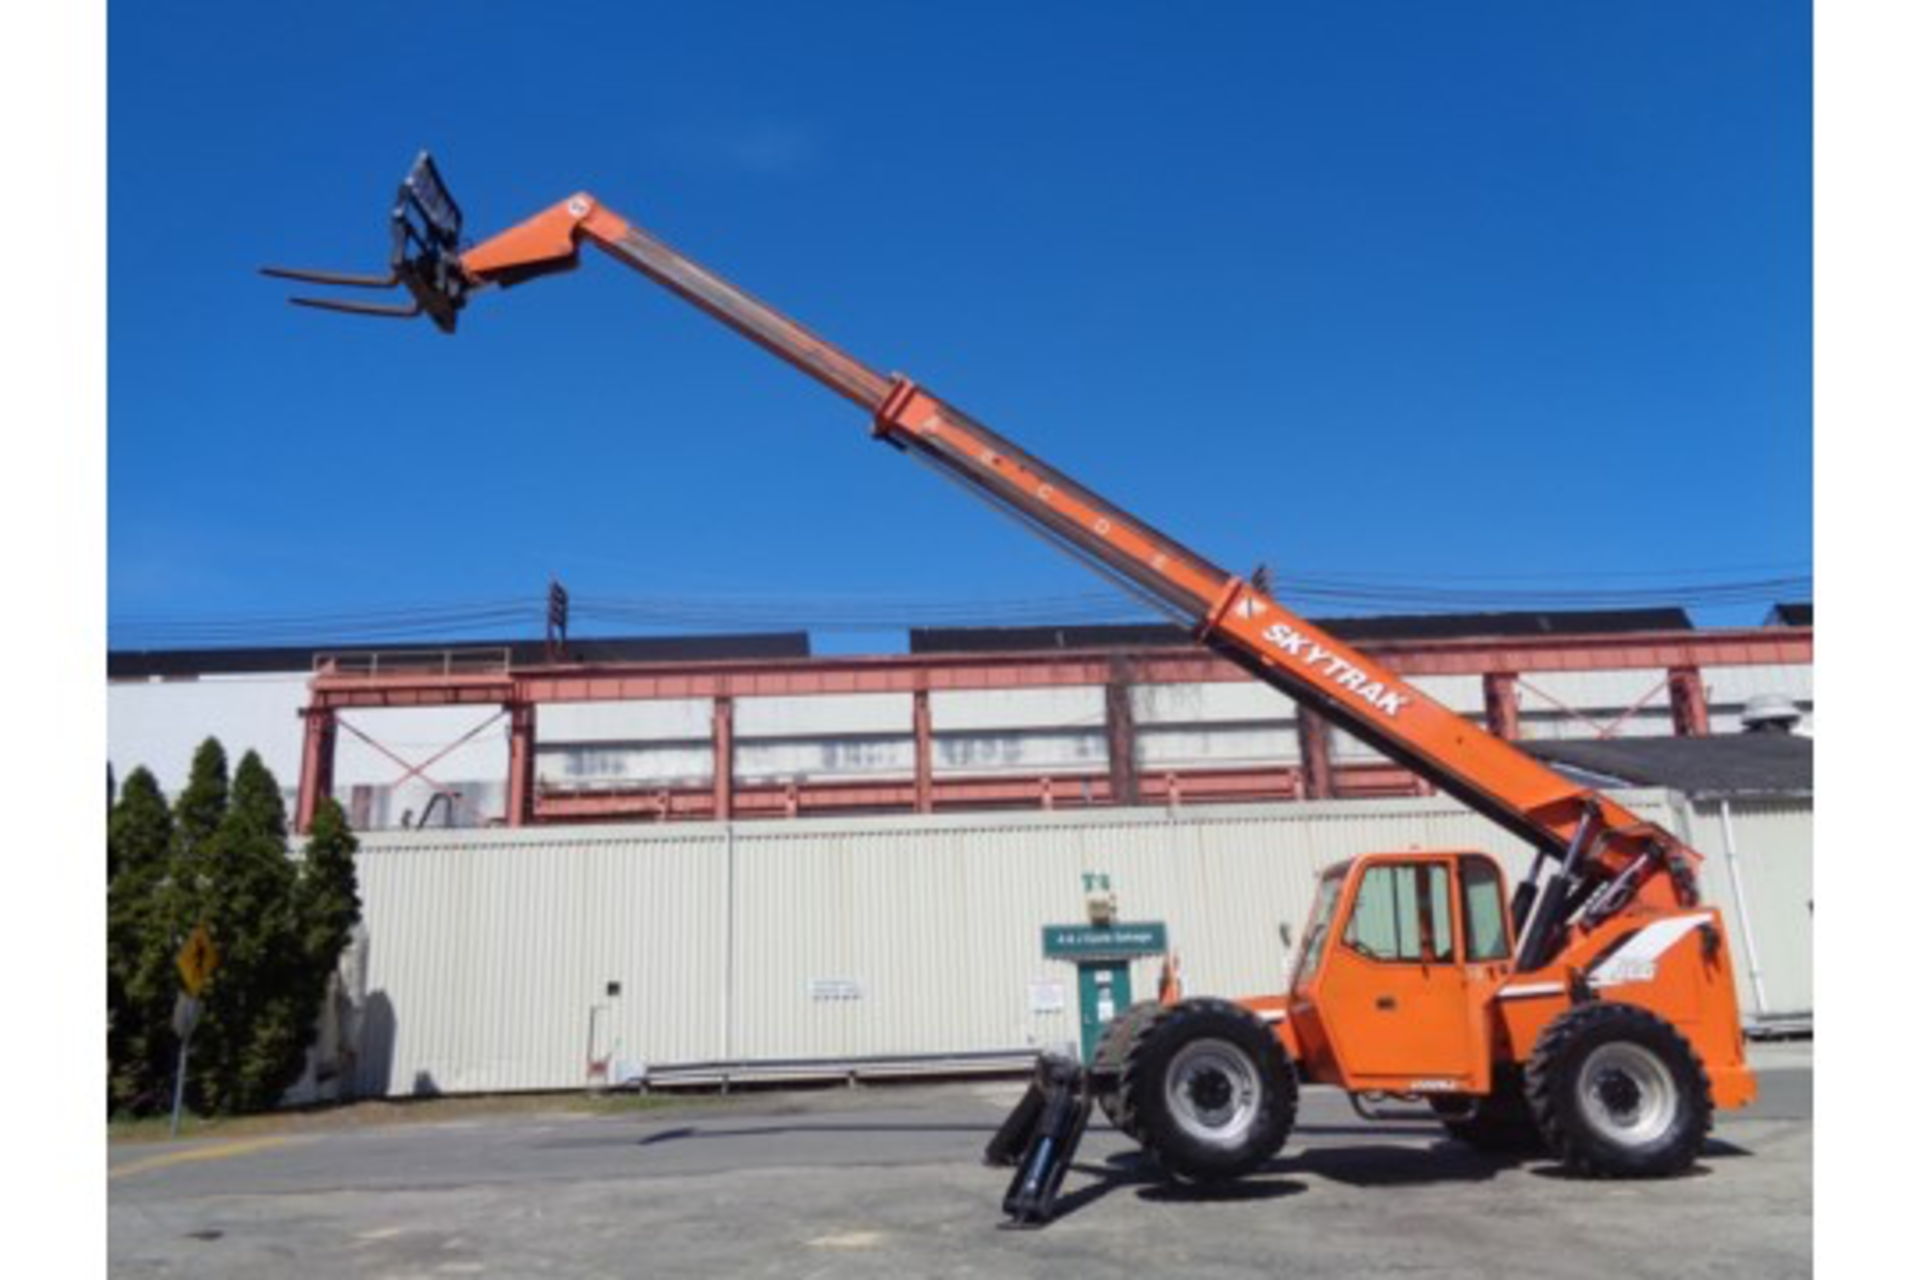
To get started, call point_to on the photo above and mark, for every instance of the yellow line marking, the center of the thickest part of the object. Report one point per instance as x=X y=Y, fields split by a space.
x=848 y=1240
x=220 y=1151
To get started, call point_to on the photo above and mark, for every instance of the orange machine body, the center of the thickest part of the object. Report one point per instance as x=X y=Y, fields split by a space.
x=1442 y=1011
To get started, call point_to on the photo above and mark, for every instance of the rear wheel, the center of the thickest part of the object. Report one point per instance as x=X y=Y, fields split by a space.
x=1209 y=1090
x=1618 y=1092
x=1109 y=1060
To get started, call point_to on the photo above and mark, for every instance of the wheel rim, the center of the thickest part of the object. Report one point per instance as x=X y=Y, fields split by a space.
x=1214 y=1091
x=1627 y=1094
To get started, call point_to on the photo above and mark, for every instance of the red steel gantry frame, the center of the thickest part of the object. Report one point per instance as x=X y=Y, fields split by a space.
x=1672 y=661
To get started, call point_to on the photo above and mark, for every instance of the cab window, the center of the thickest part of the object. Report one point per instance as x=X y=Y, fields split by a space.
x=1403 y=913
x=1486 y=918
x=1315 y=943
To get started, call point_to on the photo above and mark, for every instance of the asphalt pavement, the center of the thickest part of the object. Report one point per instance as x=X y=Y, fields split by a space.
x=887 y=1181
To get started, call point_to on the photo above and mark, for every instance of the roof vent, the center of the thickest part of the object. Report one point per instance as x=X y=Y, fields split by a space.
x=1769 y=713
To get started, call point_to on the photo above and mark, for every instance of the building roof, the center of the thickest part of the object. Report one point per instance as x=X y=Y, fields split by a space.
x=1534 y=622
x=1435 y=626
x=1791 y=615
x=138 y=664
x=1145 y=635
x=1730 y=764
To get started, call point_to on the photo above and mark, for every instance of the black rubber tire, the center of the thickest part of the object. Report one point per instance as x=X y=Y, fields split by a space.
x=1109 y=1059
x=1566 y=1123
x=1190 y=1153
x=1500 y=1123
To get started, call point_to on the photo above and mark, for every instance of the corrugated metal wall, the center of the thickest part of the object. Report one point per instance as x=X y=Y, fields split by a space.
x=491 y=952
x=1773 y=858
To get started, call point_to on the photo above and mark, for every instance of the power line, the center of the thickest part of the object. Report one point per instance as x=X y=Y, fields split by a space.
x=1360 y=593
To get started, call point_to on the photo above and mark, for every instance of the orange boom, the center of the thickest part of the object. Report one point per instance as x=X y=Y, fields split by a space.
x=1592 y=1010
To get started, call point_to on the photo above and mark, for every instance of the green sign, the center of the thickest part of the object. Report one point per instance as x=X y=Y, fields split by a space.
x=1082 y=941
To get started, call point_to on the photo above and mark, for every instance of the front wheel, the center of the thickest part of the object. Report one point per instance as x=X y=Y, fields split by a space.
x=1618 y=1092
x=1210 y=1091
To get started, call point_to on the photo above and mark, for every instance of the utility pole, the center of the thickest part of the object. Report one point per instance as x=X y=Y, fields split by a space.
x=556 y=620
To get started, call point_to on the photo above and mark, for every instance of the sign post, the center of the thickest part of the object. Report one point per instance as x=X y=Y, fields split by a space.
x=196 y=962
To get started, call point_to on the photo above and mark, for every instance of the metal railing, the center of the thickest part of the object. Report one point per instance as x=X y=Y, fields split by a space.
x=372 y=663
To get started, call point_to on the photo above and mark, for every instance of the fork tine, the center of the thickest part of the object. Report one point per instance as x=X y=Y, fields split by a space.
x=386 y=310
x=344 y=279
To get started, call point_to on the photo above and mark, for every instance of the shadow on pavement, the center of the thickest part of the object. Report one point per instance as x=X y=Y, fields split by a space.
x=1397 y=1165
x=1258 y=1187
x=1362 y=1165
x=1132 y=1169
x=696 y=1133
x=1369 y=1129
x=1714 y=1150
x=1375 y=1165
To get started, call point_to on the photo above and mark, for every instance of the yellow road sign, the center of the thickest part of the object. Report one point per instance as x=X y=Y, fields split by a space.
x=197 y=961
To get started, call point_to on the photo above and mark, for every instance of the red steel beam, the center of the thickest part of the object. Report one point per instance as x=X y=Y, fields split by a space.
x=1687 y=695
x=909 y=672
x=1316 y=756
x=922 y=752
x=316 y=765
x=520 y=766
x=1502 y=695
x=1121 y=765
x=779 y=799
x=723 y=758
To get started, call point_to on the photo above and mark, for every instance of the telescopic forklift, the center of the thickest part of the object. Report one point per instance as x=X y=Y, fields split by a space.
x=1592 y=1011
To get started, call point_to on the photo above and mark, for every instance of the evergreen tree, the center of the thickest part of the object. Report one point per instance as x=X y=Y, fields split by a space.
x=329 y=888
x=140 y=830
x=180 y=903
x=198 y=812
x=176 y=902
x=252 y=1037
x=279 y=926
x=139 y=970
x=113 y=797
x=201 y=807
x=329 y=898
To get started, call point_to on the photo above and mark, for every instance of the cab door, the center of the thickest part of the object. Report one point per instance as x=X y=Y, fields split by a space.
x=1393 y=992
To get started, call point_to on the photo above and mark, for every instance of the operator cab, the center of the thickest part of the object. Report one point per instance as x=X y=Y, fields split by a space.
x=1391 y=983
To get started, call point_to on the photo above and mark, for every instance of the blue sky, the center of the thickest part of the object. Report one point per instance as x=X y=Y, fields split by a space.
x=1511 y=291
